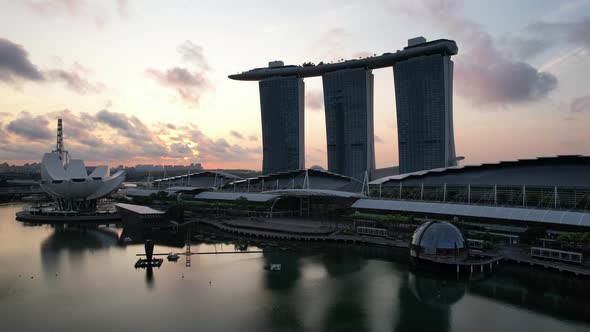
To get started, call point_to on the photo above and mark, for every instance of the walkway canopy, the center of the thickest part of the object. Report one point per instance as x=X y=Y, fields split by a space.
x=296 y=179
x=200 y=180
x=541 y=216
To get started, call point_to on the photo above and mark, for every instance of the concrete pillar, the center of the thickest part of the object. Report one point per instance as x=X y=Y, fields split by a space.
x=422 y=191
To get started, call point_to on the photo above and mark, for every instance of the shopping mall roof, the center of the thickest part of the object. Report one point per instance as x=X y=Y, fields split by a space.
x=315 y=192
x=232 y=196
x=569 y=218
x=221 y=174
x=571 y=170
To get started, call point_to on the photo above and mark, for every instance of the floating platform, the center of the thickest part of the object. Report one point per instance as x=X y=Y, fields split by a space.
x=144 y=263
x=26 y=216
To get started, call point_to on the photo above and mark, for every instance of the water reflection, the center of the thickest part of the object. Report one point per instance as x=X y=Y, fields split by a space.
x=74 y=241
x=422 y=296
x=549 y=293
x=320 y=288
x=149 y=277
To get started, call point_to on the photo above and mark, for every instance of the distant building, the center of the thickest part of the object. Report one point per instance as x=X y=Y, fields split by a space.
x=424 y=102
x=348 y=101
x=282 y=103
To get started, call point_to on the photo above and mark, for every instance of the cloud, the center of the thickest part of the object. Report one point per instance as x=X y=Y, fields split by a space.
x=189 y=84
x=28 y=127
x=503 y=82
x=15 y=67
x=252 y=138
x=114 y=120
x=333 y=45
x=523 y=48
x=194 y=54
x=378 y=139
x=52 y=7
x=236 y=134
x=573 y=32
x=78 y=8
x=581 y=104
x=15 y=63
x=314 y=100
x=3 y=134
x=113 y=137
x=123 y=8
x=75 y=79
x=484 y=74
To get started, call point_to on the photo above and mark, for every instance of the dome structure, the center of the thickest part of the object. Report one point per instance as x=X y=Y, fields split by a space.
x=68 y=182
x=437 y=239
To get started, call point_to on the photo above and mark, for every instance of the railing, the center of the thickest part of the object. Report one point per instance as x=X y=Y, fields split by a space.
x=555 y=254
x=552 y=198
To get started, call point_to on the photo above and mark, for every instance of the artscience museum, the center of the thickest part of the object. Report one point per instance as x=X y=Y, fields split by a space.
x=68 y=182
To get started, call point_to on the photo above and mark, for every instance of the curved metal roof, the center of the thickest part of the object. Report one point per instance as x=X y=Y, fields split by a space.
x=573 y=160
x=569 y=218
x=314 y=192
x=296 y=172
x=199 y=174
x=232 y=196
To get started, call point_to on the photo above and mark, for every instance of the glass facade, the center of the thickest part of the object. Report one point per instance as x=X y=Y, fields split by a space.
x=423 y=93
x=282 y=105
x=348 y=101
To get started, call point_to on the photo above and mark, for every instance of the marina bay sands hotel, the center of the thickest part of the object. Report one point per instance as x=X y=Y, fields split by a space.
x=423 y=74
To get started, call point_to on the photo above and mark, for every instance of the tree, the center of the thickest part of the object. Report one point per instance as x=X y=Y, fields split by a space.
x=532 y=234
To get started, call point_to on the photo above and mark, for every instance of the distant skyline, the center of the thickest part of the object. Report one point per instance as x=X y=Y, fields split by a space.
x=145 y=82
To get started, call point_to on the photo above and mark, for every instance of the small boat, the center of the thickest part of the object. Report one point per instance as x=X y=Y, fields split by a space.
x=275 y=267
x=173 y=257
x=127 y=239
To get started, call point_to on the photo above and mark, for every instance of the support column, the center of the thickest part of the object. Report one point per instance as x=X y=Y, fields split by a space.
x=495 y=194
x=422 y=191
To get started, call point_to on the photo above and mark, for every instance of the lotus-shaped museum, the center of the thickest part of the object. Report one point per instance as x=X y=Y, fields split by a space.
x=69 y=184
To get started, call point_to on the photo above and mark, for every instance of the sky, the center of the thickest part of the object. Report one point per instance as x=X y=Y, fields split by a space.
x=145 y=81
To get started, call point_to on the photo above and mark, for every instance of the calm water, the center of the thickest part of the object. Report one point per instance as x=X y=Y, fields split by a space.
x=86 y=281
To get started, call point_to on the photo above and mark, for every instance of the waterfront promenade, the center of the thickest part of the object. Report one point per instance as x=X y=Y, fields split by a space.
x=306 y=230
x=297 y=230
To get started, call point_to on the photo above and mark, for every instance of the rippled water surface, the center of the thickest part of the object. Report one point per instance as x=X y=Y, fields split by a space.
x=59 y=279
